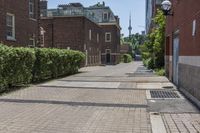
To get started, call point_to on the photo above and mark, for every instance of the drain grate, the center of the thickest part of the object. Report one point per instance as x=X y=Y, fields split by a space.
x=164 y=94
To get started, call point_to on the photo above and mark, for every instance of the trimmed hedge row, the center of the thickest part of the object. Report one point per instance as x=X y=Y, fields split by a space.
x=15 y=66
x=52 y=63
x=25 y=65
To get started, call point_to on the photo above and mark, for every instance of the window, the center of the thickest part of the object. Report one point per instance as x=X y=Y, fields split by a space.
x=108 y=37
x=194 y=28
x=105 y=16
x=31 y=8
x=32 y=41
x=10 y=26
x=90 y=35
x=97 y=37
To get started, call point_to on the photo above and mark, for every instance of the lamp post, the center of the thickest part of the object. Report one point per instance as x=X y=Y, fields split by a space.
x=166 y=7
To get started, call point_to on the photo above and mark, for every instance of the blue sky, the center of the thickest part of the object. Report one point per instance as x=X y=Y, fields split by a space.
x=122 y=8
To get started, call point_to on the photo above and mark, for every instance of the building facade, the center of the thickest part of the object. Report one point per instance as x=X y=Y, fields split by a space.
x=109 y=23
x=19 y=22
x=76 y=33
x=94 y=30
x=182 y=56
x=151 y=8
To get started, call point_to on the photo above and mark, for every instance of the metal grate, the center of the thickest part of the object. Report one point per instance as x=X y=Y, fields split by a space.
x=164 y=94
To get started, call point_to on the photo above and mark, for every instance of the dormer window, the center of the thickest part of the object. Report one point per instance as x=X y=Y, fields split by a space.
x=105 y=16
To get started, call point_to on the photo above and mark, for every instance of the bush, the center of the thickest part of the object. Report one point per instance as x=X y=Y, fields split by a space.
x=16 y=66
x=149 y=63
x=126 y=58
x=160 y=72
x=23 y=65
x=52 y=63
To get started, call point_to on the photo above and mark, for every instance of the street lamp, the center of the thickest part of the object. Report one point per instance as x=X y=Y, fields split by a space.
x=166 y=7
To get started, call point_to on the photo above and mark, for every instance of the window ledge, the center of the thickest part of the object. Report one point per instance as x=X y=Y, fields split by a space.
x=33 y=19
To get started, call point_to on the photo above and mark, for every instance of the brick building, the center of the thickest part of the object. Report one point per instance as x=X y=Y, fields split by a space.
x=74 y=32
x=183 y=46
x=76 y=27
x=110 y=46
x=19 y=22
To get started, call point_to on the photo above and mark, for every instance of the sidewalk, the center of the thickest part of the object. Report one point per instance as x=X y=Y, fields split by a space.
x=114 y=99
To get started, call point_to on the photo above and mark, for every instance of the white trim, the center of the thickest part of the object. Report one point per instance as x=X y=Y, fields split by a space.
x=90 y=34
x=193 y=27
x=111 y=53
x=12 y=38
x=108 y=33
x=168 y=57
x=110 y=24
x=190 y=60
x=107 y=16
x=32 y=39
x=97 y=37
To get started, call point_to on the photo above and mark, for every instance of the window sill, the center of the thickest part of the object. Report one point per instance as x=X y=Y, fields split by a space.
x=10 y=38
x=33 y=19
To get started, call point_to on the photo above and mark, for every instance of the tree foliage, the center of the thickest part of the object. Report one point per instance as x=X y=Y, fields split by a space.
x=135 y=40
x=153 y=48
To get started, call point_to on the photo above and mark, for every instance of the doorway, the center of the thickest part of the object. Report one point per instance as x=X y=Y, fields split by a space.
x=175 y=58
x=108 y=56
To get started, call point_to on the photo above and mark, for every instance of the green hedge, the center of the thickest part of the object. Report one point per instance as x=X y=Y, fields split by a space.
x=16 y=66
x=25 y=65
x=52 y=63
x=126 y=58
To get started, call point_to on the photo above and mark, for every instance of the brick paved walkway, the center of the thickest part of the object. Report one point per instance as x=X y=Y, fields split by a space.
x=182 y=123
x=99 y=100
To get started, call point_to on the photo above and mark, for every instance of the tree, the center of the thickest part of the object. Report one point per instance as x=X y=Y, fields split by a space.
x=135 y=41
x=153 y=48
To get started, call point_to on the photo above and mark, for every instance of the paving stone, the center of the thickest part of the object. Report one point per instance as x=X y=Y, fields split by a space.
x=85 y=97
x=30 y=118
x=182 y=123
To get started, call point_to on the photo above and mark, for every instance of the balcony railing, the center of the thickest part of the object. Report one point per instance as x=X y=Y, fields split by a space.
x=76 y=12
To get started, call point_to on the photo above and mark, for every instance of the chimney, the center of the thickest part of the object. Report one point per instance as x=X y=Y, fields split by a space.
x=104 y=3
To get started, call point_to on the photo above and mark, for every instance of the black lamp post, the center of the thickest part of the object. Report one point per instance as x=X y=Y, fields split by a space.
x=166 y=7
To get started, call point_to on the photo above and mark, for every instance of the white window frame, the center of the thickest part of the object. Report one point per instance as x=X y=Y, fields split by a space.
x=90 y=34
x=31 y=13
x=32 y=39
x=13 y=26
x=108 y=33
x=193 y=27
x=97 y=37
x=105 y=19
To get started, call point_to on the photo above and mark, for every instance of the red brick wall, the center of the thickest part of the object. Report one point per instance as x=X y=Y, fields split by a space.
x=94 y=47
x=185 y=11
x=24 y=26
x=114 y=45
x=73 y=32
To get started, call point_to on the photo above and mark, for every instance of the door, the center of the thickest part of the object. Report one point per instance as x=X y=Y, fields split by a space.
x=175 y=59
x=108 y=57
